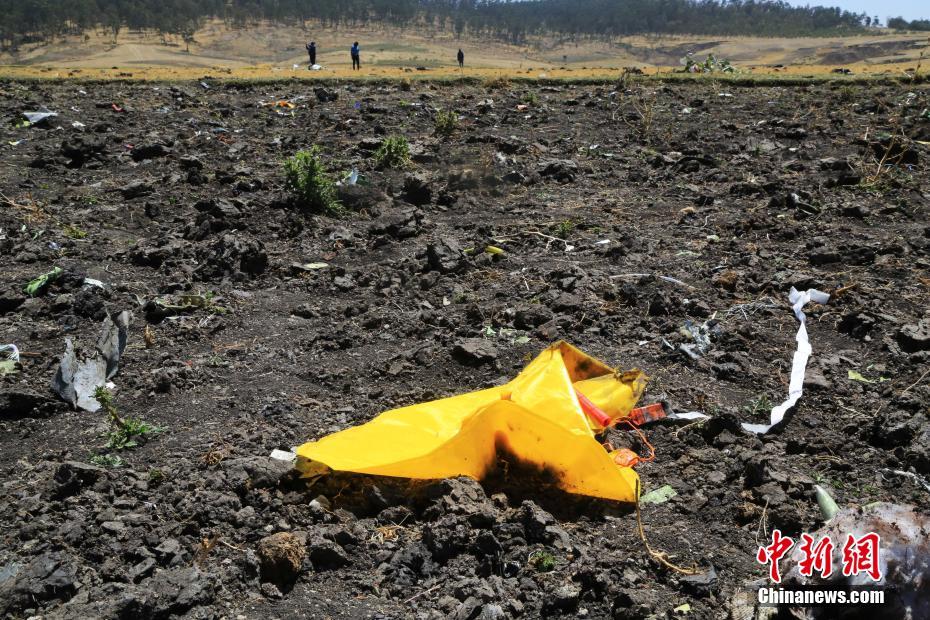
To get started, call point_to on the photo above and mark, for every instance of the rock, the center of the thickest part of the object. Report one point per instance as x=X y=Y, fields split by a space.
x=327 y=554
x=189 y=162
x=177 y=590
x=234 y=255
x=468 y=610
x=82 y=148
x=702 y=584
x=530 y=316
x=255 y=472
x=72 y=476
x=474 y=352
x=400 y=225
x=535 y=520
x=15 y=404
x=491 y=611
x=48 y=576
x=447 y=537
x=915 y=337
x=815 y=379
x=324 y=95
x=149 y=151
x=136 y=189
x=141 y=570
x=563 y=170
x=857 y=324
x=271 y=591
x=367 y=198
x=564 y=599
x=417 y=189
x=445 y=256
x=168 y=550
x=281 y=557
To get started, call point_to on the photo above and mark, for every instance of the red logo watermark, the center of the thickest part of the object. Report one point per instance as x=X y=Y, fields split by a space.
x=860 y=555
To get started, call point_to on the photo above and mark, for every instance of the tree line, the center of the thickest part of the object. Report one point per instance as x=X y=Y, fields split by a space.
x=44 y=20
x=899 y=23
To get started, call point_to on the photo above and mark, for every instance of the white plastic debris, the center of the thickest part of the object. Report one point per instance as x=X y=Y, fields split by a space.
x=92 y=282
x=801 y=355
x=38 y=117
x=12 y=352
x=349 y=179
x=78 y=125
x=315 y=67
x=283 y=455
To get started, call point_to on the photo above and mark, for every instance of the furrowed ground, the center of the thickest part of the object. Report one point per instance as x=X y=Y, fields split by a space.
x=161 y=191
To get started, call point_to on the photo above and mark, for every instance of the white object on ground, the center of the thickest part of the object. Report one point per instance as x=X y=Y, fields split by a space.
x=38 y=117
x=283 y=455
x=14 y=352
x=801 y=355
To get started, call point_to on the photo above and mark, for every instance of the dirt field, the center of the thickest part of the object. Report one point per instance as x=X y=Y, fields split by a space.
x=159 y=191
x=272 y=51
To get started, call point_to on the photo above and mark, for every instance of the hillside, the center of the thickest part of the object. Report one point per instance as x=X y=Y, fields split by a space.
x=268 y=50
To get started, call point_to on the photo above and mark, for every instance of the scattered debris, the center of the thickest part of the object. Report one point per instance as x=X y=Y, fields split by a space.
x=39 y=117
x=39 y=285
x=799 y=364
x=77 y=378
x=465 y=435
x=659 y=496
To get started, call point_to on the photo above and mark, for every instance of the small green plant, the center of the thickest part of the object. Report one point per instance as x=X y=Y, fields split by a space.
x=306 y=179
x=394 y=152
x=112 y=461
x=447 y=121
x=531 y=99
x=847 y=93
x=762 y=404
x=73 y=232
x=156 y=476
x=124 y=433
x=217 y=361
x=542 y=561
x=563 y=229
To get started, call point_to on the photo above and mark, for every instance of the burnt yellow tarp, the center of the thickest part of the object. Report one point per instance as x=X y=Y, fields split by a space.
x=535 y=418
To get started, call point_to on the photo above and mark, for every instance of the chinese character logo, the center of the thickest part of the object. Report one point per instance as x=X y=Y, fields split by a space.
x=817 y=557
x=774 y=552
x=862 y=556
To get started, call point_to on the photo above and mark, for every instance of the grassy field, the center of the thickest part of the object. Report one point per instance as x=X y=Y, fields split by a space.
x=278 y=52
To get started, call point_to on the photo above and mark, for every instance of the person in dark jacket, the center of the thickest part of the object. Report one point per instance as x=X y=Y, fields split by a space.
x=311 y=50
x=461 y=57
x=356 y=58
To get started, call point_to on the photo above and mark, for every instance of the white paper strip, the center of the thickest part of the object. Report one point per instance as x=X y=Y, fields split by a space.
x=801 y=355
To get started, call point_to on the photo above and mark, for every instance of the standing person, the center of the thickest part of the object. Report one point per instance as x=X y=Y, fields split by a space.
x=311 y=50
x=461 y=57
x=356 y=58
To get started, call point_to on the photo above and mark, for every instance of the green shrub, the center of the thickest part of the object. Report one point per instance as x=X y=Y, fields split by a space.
x=393 y=153
x=447 y=121
x=543 y=561
x=307 y=181
x=124 y=433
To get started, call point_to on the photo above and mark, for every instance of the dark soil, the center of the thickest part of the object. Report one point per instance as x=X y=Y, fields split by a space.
x=739 y=195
